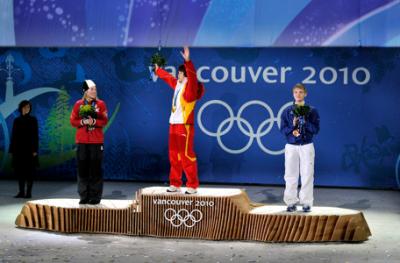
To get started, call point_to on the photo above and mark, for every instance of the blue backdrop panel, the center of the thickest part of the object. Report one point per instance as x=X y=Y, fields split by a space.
x=237 y=130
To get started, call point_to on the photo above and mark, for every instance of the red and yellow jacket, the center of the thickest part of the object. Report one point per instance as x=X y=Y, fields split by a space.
x=192 y=91
x=83 y=134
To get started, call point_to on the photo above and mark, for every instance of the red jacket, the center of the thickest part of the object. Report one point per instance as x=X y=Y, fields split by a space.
x=83 y=134
x=194 y=90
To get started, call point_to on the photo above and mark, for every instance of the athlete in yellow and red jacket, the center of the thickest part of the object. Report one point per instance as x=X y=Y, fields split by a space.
x=187 y=90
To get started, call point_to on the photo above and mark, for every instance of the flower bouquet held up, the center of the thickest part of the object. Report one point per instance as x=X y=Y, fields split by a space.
x=158 y=59
x=87 y=112
x=301 y=112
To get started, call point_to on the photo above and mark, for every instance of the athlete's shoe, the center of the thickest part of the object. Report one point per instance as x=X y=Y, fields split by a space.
x=173 y=189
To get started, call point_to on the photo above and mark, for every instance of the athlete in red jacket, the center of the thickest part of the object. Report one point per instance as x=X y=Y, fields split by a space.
x=187 y=90
x=89 y=140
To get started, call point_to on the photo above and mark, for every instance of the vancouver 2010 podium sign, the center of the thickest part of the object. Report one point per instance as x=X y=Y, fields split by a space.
x=212 y=213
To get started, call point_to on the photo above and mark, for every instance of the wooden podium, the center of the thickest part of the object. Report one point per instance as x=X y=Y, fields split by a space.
x=213 y=213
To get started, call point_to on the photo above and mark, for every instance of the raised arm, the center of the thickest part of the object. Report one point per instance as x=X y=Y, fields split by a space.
x=193 y=89
x=166 y=76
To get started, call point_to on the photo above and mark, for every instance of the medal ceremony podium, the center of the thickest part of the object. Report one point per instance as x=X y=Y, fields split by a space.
x=211 y=214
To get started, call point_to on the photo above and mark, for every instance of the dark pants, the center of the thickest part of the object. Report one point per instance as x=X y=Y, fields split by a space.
x=24 y=168
x=90 y=176
x=24 y=174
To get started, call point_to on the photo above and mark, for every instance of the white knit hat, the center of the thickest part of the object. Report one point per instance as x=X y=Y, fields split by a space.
x=88 y=84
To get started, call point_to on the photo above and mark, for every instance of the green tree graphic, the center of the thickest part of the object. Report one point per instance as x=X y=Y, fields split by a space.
x=59 y=135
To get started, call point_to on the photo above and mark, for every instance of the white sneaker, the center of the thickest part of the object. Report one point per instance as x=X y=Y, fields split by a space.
x=173 y=189
x=191 y=191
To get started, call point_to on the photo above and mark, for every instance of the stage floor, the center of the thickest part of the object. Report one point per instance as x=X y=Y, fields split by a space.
x=381 y=210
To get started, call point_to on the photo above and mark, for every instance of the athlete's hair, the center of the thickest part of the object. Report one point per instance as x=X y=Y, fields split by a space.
x=300 y=86
x=182 y=69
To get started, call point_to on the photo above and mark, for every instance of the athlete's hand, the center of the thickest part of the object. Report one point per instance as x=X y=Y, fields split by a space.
x=296 y=133
x=90 y=121
x=186 y=54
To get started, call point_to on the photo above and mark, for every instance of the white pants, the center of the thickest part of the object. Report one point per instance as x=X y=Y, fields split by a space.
x=299 y=160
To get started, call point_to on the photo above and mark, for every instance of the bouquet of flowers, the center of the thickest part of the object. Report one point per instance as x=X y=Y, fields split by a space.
x=158 y=59
x=301 y=112
x=87 y=111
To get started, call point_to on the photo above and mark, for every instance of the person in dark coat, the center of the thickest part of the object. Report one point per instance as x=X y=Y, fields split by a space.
x=24 y=148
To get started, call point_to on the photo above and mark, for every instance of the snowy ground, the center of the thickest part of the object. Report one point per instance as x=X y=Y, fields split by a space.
x=381 y=210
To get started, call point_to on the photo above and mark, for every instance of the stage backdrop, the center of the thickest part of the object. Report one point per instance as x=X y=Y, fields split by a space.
x=200 y=23
x=237 y=124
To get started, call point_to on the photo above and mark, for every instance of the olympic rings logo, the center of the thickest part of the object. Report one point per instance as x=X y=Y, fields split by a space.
x=183 y=217
x=263 y=129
